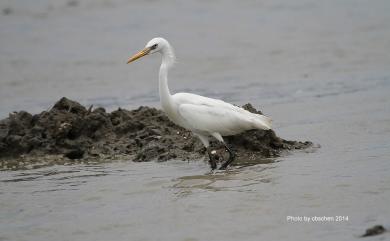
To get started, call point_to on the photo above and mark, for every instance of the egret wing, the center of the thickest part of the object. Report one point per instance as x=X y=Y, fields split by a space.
x=188 y=98
x=231 y=114
x=206 y=118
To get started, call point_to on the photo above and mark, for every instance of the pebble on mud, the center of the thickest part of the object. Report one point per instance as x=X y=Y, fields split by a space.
x=71 y=131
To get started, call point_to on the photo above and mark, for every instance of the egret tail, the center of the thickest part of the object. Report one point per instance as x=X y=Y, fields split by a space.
x=262 y=122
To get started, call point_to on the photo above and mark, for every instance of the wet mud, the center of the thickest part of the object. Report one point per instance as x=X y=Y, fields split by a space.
x=70 y=132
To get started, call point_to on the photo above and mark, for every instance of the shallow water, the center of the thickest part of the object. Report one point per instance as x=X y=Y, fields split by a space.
x=319 y=69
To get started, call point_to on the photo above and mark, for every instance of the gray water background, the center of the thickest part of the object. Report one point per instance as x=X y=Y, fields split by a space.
x=320 y=69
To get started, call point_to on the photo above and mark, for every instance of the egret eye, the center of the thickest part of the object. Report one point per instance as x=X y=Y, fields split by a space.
x=154 y=46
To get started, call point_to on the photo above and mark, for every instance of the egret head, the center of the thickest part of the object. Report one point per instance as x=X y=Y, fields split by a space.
x=153 y=46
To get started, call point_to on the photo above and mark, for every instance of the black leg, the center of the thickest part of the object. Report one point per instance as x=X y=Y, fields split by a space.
x=212 y=161
x=230 y=160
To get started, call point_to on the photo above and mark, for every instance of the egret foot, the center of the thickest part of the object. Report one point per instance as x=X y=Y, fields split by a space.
x=230 y=160
x=212 y=161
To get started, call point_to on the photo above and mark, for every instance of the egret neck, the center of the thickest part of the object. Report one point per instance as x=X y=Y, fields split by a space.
x=168 y=59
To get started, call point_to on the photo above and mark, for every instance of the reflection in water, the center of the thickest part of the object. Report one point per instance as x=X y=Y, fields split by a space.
x=238 y=179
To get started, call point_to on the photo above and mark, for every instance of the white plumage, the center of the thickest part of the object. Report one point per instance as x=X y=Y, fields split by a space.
x=205 y=117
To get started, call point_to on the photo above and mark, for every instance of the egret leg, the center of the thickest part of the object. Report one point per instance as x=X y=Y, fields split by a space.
x=212 y=161
x=230 y=160
x=206 y=142
x=231 y=153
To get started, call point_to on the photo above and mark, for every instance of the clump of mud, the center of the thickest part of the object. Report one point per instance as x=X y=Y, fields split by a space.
x=69 y=131
x=376 y=230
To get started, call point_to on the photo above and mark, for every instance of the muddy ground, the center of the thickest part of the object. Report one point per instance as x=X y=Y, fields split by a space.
x=70 y=132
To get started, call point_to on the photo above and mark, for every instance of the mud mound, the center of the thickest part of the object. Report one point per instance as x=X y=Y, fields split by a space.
x=70 y=131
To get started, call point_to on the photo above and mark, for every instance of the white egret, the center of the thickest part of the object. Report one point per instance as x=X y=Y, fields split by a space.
x=205 y=117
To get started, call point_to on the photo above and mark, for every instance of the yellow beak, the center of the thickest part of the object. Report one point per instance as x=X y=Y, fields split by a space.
x=140 y=54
